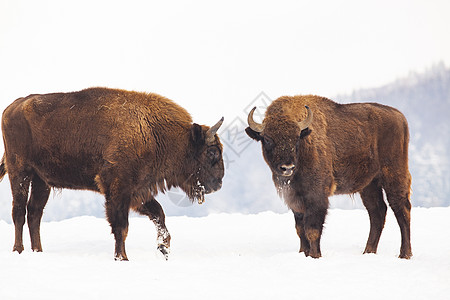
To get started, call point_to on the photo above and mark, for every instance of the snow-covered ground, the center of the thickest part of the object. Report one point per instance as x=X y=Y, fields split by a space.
x=230 y=256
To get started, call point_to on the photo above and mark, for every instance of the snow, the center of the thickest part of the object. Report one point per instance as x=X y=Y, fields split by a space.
x=228 y=256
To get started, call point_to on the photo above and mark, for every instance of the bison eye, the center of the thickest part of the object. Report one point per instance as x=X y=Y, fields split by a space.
x=268 y=143
x=213 y=154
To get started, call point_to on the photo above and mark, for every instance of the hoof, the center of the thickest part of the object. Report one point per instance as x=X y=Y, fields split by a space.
x=405 y=255
x=120 y=257
x=303 y=250
x=370 y=249
x=313 y=255
x=19 y=248
x=164 y=251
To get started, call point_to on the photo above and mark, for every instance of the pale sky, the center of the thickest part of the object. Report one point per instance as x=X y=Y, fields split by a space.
x=214 y=58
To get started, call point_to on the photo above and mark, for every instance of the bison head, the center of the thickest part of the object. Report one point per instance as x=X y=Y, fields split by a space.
x=280 y=137
x=206 y=162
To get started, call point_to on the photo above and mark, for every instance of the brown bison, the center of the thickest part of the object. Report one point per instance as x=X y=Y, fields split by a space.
x=125 y=145
x=342 y=149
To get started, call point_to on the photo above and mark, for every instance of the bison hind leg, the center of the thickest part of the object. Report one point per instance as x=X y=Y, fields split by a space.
x=401 y=206
x=397 y=185
x=372 y=197
x=40 y=192
x=20 y=184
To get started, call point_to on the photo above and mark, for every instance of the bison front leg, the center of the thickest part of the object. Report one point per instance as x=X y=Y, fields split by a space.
x=300 y=227
x=117 y=214
x=154 y=211
x=117 y=210
x=314 y=218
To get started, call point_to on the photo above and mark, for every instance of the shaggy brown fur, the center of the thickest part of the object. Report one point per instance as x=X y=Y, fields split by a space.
x=348 y=148
x=126 y=145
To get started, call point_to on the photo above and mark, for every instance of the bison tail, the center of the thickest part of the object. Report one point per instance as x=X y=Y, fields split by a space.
x=2 y=168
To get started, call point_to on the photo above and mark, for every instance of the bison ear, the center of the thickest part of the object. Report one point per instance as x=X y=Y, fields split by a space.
x=253 y=134
x=305 y=132
x=197 y=134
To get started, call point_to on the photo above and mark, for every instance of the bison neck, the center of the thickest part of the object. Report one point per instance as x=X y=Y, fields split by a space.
x=171 y=166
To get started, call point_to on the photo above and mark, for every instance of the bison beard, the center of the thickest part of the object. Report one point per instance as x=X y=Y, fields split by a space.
x=125 y=145
x=344 y=149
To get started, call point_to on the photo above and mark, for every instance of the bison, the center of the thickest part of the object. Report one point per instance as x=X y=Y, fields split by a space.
x=329 y=149
x=125 y=145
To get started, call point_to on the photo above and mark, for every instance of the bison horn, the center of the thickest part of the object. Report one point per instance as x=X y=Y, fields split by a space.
x=253 y=125
x=306 y=122
x=212 y=131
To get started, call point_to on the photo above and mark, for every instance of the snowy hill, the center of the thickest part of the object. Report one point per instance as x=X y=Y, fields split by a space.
x=230 y=256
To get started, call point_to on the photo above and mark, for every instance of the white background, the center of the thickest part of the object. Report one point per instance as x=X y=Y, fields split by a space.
x=213 y=57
